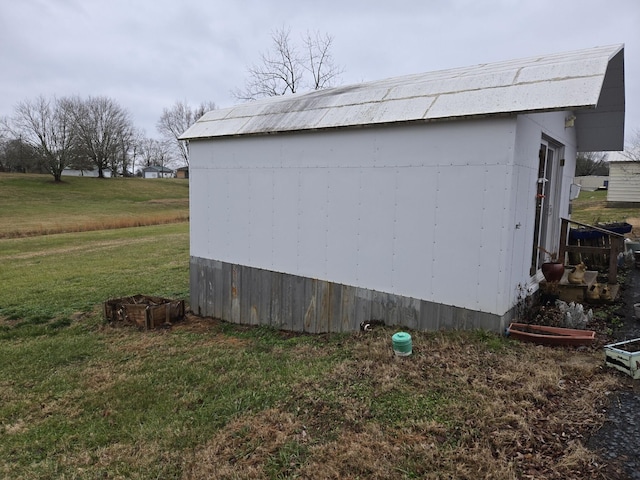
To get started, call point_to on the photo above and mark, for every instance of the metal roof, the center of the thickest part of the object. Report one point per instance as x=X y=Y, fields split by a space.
x=615 y=157
x=590 y=82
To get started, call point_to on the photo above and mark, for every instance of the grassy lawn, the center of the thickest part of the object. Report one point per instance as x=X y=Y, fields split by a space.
x=206 y=399
x=591 y=208
x=35 y=204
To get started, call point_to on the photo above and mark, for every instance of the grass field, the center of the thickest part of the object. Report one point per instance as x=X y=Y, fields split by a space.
x=206 y=399
x=591 y=208
x=36 y=205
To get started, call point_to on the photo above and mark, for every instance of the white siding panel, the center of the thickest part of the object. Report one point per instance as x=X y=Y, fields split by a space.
x=455 y=262
x=493 y=238
x=624 y=182
x=261 y=217
x=375 y=228
x=285 y=221
x=414 y=230
x=343 y=212
x=312 y=222
x=199 y=206
x=238 y=211
x=331 y=150
x=216 y=215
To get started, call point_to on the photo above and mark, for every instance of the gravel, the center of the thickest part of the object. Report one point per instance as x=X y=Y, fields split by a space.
x=618 y=441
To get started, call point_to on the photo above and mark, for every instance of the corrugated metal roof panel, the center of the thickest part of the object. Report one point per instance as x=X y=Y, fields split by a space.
x=566 y=81
x=517 y=98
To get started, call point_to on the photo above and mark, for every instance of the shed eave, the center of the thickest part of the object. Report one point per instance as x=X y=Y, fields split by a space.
x=381 y=124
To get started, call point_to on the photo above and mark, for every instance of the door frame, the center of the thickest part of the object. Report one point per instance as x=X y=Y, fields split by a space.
x=548 y=195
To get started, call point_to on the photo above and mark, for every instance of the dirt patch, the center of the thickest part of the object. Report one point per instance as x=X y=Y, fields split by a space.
x=271 y=444
x=196 y=324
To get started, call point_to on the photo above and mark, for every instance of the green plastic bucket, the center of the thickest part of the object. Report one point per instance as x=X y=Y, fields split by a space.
x=402 y=344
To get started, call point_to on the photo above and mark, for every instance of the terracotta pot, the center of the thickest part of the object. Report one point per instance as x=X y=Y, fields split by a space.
x=552 y=271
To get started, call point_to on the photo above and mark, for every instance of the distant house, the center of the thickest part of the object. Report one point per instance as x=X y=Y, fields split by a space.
x=624 y=179
x=155 y=171
x=591 y=183
x=182 y=172
x=70 y=172
x=421 y=200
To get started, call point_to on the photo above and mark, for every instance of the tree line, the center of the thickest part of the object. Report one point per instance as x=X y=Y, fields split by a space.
x=48 y=135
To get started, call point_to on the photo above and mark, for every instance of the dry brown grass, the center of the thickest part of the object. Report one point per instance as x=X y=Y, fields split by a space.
x=468 y=412
x=90 y=225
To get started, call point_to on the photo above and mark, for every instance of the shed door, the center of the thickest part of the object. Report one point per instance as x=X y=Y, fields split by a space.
x=547 y=221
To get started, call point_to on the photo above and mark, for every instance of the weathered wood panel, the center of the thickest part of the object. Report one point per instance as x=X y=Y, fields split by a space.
x=263 y=280
x=298 y=303
x=286 y=302
x=195 y=272
x=363 y=305
x=323 y=313
x=218 y=284
x=310 y=305
x=247 y=295
x=348 y=317
x=429 y=316
x=275 y=304
x=254 y=294
x=236 y=293
x=226 y=292
x=335 y=307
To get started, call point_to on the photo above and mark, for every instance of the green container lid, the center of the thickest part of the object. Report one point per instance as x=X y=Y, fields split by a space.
x=402 y=343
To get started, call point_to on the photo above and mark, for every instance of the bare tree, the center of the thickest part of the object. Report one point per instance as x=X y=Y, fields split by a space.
x=320 y=60
x=632 y=149
x=282 y=70
x=48 y=127
x=592 y=163
x=176 y=120
x=152 y=152
x=102 y=125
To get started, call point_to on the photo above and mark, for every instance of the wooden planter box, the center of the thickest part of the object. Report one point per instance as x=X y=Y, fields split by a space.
x=625 y=356
x=144 y=311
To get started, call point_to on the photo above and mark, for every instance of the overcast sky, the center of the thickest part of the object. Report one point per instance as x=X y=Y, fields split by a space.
x=147 y=54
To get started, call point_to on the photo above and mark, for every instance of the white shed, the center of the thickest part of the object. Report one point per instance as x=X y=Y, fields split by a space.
x=418 y=200
x=624 y=179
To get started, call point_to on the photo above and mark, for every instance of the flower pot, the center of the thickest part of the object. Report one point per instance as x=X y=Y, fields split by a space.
x=552 y=271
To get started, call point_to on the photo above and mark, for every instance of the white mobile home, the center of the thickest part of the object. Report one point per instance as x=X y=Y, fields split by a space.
x=420 y=200
x=624 y=179
x=157 y=171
